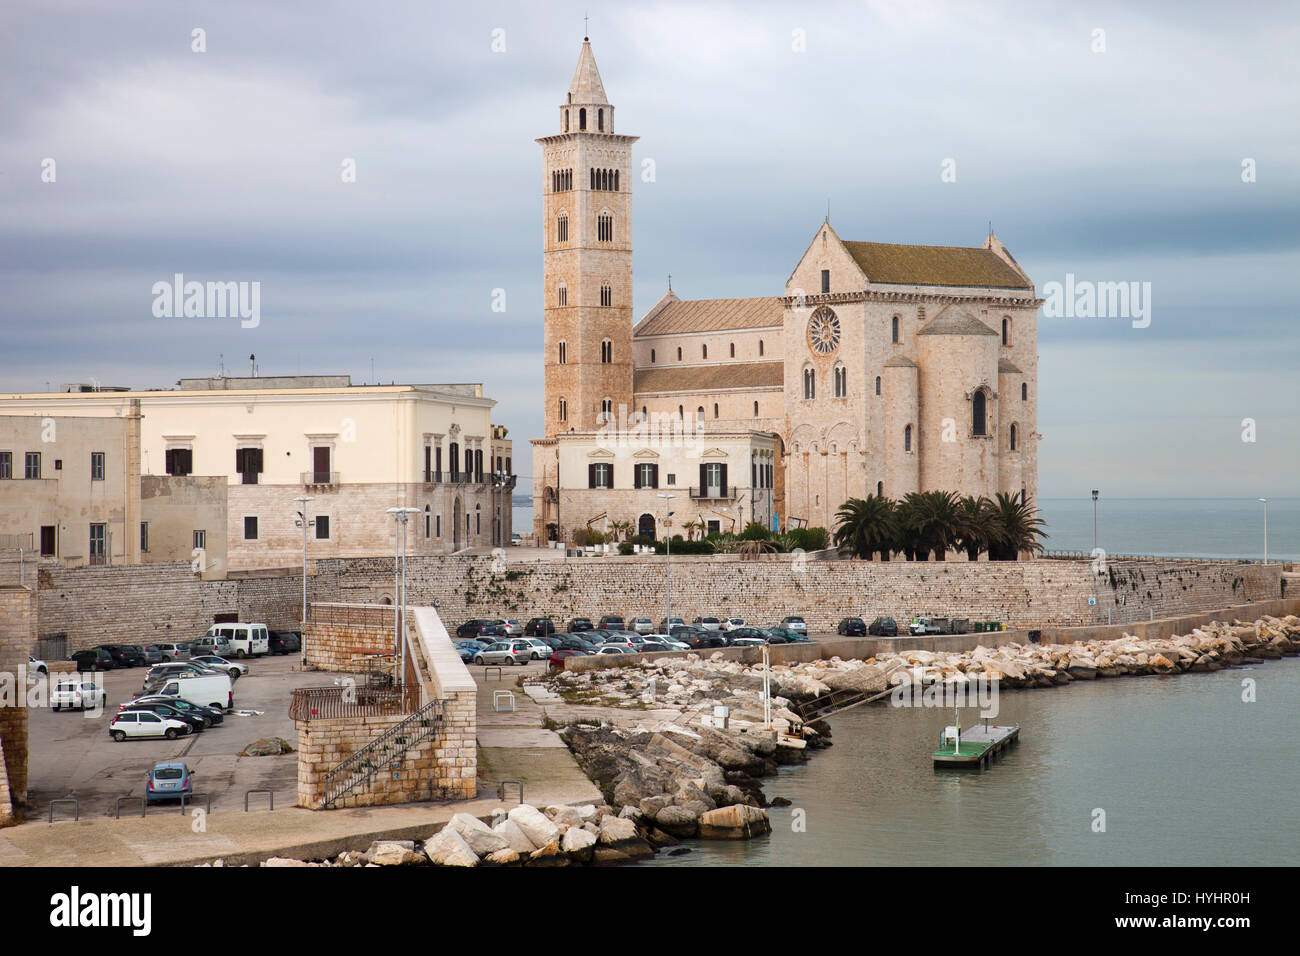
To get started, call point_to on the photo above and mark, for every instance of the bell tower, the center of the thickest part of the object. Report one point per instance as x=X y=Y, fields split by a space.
x=586 y=258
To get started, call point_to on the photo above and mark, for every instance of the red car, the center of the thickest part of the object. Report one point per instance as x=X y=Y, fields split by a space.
x=558 y=658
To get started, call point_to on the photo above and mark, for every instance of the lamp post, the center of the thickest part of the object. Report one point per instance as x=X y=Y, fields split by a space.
x=304 y=522
x=400 y=518
x=668 y=561
x=1265 y=500
x=1095 y=493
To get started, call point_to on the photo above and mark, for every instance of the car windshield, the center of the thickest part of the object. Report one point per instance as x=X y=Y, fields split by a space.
x=169 y=773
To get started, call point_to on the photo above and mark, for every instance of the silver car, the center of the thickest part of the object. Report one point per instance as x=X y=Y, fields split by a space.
x=235 y=669
x=642 y=625
x=505 y=652
x=511 y=627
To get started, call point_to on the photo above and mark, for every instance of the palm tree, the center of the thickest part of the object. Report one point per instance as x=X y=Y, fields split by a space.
x=1016 y=528
x=752 y=549
x=691 y=527
x=929 y=523
x=975 y=525
x=866 y=525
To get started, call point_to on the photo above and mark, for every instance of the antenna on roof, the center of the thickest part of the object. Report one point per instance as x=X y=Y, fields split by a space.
x=828 y=211
x=670 y=282
x=585 y=37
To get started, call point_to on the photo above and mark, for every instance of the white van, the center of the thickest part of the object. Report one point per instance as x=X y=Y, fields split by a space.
x=209 y=690
x=243 y=640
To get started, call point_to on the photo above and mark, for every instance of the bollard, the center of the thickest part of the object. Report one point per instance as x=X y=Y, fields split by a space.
x=117 y=807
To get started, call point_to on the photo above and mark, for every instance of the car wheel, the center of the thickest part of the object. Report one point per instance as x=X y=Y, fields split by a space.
x=56 y=706
x=234 y=673
x=119 y=735
x=170 y=733
x=479 y=660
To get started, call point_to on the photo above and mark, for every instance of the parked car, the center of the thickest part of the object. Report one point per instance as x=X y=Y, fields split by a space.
x=618 y=640
x=883 y=627
x=191 y=668
x=551 y=641
x=708 y=623
x=169 y=781
x=210 y=644
x=667 y=624
x=556 y=660
x=77 y=694
x=541 y=650
x=748 y=635
x=36 y=666
x=235 y=669
x=473 y=645
x=123 y=655
x=539 y=627
x=697 y=637
x=478 y=627
x=196 y=723
x=243 y=639
x=731 y=623
x=795 y=623
x=142 y=723
x=466 y=655
x=576 y=642
x=749 y=641
x=581 y=624
x=642 y=625
x=213 y=715
x=94 y=659
x=785 y=635
x=284 y=642
x=669 y=643
x=614 y=649
x=852 y=627
x=510 y=627
x=506 y=652
x=208 y=690
x=152 y=655
x=613 y=621
x=174 y=652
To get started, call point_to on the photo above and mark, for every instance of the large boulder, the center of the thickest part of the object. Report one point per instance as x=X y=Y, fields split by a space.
x=616 y=830
x=448 y=848
x=578 y=843
x=480 y=837
x=549 y=855
x=565 y=816
x=736 y=822
x=533 y=822
x=394 y=853
x=515 y=838
x=862 y=678
x=679 y=821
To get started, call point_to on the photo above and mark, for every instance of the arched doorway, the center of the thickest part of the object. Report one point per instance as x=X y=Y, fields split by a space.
x=455 y=526
x=646 y=525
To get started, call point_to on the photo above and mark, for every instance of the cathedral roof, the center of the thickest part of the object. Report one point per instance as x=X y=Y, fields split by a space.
x=1005 y=365
x=955 y=320
x=935 y=265
x=700 y=378
x=900 y=361
x=586 y=88
x=671 y=314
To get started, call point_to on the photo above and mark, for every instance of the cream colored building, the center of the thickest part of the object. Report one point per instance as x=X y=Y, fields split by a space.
x=882 y=369
x=239 y=451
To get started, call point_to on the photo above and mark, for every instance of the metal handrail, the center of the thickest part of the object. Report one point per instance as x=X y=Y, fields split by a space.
x=362 y=766
x=324 y=703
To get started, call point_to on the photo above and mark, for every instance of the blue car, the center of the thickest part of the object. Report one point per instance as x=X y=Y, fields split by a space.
x=169 y=781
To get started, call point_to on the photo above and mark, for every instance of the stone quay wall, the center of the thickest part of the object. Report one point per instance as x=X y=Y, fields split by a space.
x=17 y=634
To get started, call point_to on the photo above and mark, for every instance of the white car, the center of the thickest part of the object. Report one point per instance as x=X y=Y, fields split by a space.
x=541 y=650
x=708 y=623
x=731 y=623
x=81 y=694
x=671 y=643
x=35 y=666
x=512 y=627
x=642 y=625
x=234 y=668
x=144 y=723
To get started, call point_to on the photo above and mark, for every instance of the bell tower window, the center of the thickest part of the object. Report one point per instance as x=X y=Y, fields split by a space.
x=606 y=295
x=582 y=118
x=606 y=352
x=600 y=120
x=562 y=227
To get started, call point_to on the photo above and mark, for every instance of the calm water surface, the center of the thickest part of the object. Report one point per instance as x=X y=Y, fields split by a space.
x=1187 y=773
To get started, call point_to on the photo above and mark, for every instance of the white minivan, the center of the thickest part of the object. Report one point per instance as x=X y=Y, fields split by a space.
x=208 y=690
x=244 y=640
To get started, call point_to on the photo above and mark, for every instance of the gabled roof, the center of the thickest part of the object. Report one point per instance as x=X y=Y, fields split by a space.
x=586 y=87
x=701 y=378
x=955 y=320
x=671 y=314
x=900 y=361
x=892 y=264
x=1006 y=365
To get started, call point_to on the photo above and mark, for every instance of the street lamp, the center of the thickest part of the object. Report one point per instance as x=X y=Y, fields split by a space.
x=400 y=518
x=304 y=522
x=1095 y=493
x=668 y=561
x=1265 y=500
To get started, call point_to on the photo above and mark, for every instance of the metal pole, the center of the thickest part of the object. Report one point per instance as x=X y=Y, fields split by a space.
x=1094 y=520
x=1265 y=500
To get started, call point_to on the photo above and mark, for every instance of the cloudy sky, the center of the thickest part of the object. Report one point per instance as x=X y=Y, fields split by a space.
x=1122 y=164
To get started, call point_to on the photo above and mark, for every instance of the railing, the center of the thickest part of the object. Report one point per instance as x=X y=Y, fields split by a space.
x=351 y=700
x=435 y=477
x=714 y=491
x=382 y=752
x=1066 y=555
x=320 y=477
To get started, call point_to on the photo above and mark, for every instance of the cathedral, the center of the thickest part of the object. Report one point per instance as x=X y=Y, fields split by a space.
x=881 y=369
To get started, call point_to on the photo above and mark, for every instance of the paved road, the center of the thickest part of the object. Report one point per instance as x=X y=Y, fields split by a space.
x=71 y=753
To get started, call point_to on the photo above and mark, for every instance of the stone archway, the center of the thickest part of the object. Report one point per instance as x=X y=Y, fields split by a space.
x=646 y=525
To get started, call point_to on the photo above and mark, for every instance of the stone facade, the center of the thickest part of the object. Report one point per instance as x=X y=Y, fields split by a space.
x=17 y=636
x=902 y=368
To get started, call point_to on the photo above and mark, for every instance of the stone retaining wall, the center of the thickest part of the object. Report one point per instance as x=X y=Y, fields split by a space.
x=17 y=633
x=338 y=637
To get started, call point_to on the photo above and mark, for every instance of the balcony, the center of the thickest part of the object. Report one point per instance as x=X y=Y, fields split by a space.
x=435 y=477
x=714 y=492
x=321 y=479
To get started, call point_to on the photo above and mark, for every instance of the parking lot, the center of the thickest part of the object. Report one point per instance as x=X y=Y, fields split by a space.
x=71 y=753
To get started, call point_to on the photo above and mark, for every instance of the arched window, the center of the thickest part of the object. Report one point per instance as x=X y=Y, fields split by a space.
x=809 y=384
x=427 y=515
x=897 y=329
x=600 y=120
x=704 y=351
x=1006 y=330
x=877 y=384
x=756 y=409
x=760 y=348
x=605 y=228
x=562 y=295
x=907 y=438
x=606 y=352
x=582 y=118
x=841 y=381
x=606 y=409
x=566 y=121
x=1013 y=437
x=606 y=295
x=591 y=175
x=880 y=489
x=564 y=353
x=644 y=416
x=564 y=410
x=616 y=180
x=733 y=349
x=978 y=413
x=652 y=356
x=681 y=412
x=699 y=413
x=715 y=409
x=679 y=353
x=1024 y=391
x=562 y=227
